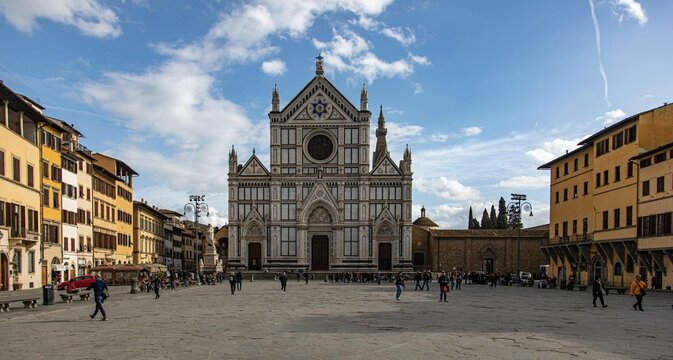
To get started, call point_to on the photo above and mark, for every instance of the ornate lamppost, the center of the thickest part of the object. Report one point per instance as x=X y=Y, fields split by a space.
x=514 y=208
x=197 y=205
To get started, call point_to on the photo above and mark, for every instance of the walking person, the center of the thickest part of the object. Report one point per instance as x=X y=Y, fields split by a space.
x=417 y=280
x=283 y=281
x=306 y=277
x=232 y=282
x=598 y=291
x=399 y=284
x=638 y=290
x=157 y=286
x=653 y=283
x=427 y=276
x=379 y=276
x=443 y=282
x=239 y=280
x=100 y=293
x=459 y=281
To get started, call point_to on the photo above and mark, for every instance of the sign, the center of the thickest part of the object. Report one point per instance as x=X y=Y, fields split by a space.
x=81 y=262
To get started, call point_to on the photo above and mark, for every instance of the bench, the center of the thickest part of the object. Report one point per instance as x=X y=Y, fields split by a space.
x=578 y=286
x=84 y=295
x=29 y=302
x=67 y=297
x=618 y=289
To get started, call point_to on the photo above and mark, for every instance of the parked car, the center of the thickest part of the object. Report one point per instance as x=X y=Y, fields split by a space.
x=77 y=283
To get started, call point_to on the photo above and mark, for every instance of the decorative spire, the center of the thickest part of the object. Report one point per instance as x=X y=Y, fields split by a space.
x=381 y=146
x=423 y=211
x=318 y=65
x=364 y=101
x=253 y=151
x=233 y=160
x=275 y=99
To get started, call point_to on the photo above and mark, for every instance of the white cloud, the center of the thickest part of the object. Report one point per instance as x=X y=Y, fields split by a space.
x=471 y=131
x=525 y=182
x=420 y=60
x=89 y=16
x=437 y=137
x=418 y=88
x=611 y=116
x=401 y=132
x=405 y=37
x=366 y=22
x=446 y=188
x=629 y=8
x=552 y=149
x=274 y=67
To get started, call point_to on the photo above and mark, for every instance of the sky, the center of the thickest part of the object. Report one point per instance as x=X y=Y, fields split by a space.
x=482 y=92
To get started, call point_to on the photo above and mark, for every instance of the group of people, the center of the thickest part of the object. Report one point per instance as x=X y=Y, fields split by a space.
x=236 y=281
x=636 y=289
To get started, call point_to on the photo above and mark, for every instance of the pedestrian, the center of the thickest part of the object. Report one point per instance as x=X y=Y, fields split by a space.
x=306 y=277
x=653 y=283
x=598 y=291
x=638 y=290
x=100 y=293
x=157 y=286
x=399 y=284
x=299 y=273
x=239 y=280
x=283 y=281
x=379 y=276
x=443 y=282
x=459 y=281
x=427 y=276
x=417 y=280
x=232 y=282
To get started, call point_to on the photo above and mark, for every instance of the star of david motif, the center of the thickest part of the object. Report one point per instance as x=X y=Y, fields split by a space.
x=320 y=108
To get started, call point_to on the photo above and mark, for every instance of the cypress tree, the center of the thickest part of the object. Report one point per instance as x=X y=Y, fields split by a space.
x=494 y=218
x=475 y=224
x=485 y=220
x=502 y=214
x=470 y=221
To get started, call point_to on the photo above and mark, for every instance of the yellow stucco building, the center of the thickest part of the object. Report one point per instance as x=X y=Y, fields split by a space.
x=593 y=201
x=123 y=201
x=20 y=204
x=104 y=209
x=655 y=213
x=148 y=234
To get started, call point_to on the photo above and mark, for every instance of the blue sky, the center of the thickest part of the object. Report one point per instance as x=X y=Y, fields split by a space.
x=482 y=91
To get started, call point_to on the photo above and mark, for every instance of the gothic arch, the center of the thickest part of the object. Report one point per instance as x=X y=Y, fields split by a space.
x=310 y=210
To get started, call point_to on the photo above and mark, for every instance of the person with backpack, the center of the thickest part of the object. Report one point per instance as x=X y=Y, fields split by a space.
x=443 y=282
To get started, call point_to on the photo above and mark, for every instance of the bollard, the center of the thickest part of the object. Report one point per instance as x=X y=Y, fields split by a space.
x=134 y=286
x=252 y=277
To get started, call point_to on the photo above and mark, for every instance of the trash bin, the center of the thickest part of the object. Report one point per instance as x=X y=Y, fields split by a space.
x=134 y=286
x=48 y=294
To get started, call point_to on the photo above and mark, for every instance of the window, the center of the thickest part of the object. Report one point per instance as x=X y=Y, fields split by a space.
x=288 y=136
x=659 y=158
x=629 y=215
x=598 y=180
x=288 y=211
x=17 y=169
x=351 y=244
x=617 y=140
x=630 y=135
x=288 y=241
x=586 y=188
x=585 y=226
x=605 y=220
x=565 y=194
x=351 y=155
x=31 y=261
x=618 y=269
x=555 y=230
x=605 y=177
x=618 y=173
x=586 y=160
x=558 y=172
x=576 y=164
x=645 y=162
x=2 y=163
x=30 y=174
x=660 y=184
x=602 y=147
x=574 y=226
x=55 y=173
x=646 y=187
x=617 y=218
x=45 y=195
x=565 y=169
x=565 y=229
x=629 y=170
x=557 y=197
x=351 y=211
x=575 y=191
x=65 y=244
x=17 y=261
x=351 y=136
x=629 y=264
x=56 y=199
x=288 y=156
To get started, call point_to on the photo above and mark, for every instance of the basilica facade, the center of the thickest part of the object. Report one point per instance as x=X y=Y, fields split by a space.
x=324 y=203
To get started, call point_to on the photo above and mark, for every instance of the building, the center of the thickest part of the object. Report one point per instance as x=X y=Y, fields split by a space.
x=323 y=203
x=501 y=251
x=123 y=201
x=593 y=201
x=222 y=243
x=148 y=234
x=85 y=260
x=20 y=201
x=173 y=229
x=188 y=254
x=655 y=213
x=104 y=209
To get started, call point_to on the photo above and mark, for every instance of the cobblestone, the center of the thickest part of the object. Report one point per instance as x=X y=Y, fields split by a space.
x=345 y=321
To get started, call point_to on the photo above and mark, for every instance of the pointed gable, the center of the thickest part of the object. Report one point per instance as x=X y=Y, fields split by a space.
x=253 y=167
x=320 y=195
x=386 y=167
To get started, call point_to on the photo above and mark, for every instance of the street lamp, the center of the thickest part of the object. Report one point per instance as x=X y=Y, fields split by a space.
x=514 y=208
x=197 y=205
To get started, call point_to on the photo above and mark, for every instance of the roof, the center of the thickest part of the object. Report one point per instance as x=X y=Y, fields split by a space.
x=425 y=221
x=170 y=212
x=23 y=103
x=648 y=153
x=118 y=162
x=66 y=126
x=618 y=124
x=566 y=155
x=491 y=233
x=156 y=211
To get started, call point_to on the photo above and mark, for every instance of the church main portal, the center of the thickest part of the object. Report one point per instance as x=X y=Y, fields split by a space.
x=320 y=253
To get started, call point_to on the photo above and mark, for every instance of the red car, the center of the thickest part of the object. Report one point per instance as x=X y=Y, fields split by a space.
x=77 y=283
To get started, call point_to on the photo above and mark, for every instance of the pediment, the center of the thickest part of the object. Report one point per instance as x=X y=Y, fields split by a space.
x=385 y=224
x=386 y=167
x=320 y=197
x=253 y=167
x=253 y=223
x=319 y=101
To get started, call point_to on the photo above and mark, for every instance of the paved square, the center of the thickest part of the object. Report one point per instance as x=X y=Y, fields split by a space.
x=336 y=321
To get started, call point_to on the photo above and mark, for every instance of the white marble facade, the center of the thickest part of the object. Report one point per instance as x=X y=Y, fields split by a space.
x=324 y=203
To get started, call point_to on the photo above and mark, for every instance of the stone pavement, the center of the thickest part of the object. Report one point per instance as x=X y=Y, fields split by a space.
x=343 y=321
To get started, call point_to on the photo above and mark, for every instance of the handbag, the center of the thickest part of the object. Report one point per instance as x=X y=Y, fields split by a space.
x=642 y=291
x=105 y=294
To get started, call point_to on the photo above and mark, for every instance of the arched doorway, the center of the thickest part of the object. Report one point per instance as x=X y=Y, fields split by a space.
x=488 y=261
x=4 y=272
x=597 y=269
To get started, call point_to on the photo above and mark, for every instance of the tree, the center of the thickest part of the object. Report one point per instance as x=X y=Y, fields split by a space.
x=502 y=214
x=475 y=224
x=493 y=218
x=485 y=220
x=470 y=220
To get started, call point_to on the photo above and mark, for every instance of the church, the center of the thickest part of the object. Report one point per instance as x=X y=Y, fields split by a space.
x=323 y=203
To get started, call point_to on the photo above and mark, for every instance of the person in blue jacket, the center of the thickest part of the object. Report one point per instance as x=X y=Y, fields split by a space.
x=100 y=292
